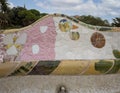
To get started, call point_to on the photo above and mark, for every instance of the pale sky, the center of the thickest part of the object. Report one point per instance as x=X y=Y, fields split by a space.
x=106 y=9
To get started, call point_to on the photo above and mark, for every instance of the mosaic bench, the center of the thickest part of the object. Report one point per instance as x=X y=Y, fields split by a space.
x=60 y=45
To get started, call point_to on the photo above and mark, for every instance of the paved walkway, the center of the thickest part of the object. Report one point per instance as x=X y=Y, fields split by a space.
x=49 y=84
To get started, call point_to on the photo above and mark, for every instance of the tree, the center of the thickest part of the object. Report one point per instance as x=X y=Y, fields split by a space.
x=4 y=6
x=35 y=12
x=4 y=20
x=17 y=16
x=97 y=21
x=14 y=16
x=116 y=22
x=27 y=17
x=20 y=16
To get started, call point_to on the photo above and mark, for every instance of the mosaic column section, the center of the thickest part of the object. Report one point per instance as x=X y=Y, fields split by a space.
x=40 y=41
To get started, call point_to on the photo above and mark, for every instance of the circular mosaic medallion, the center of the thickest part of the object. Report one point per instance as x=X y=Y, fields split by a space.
x=65 y=25
x=74 y=35
x=98 y=40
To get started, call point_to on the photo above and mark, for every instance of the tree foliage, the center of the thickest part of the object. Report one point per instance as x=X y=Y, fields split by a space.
x=116 y=22
x=35 y=12
x=97 y=21
x=27 y=17
x=14 y=16
x=4 y=9
x=4 y=20
x=4 y=6
x=19 y=17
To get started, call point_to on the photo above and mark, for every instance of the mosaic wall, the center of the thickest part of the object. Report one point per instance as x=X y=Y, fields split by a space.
x=59 y=45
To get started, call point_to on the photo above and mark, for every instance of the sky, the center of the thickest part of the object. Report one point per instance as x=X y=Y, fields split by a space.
x=106 y=9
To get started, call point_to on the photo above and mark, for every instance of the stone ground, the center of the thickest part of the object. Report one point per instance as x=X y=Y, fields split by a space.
x=49 y=84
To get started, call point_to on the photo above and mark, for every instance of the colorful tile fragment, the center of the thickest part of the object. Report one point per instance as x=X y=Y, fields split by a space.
x=65 y=25
x=98 y=40
x=74 y=35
